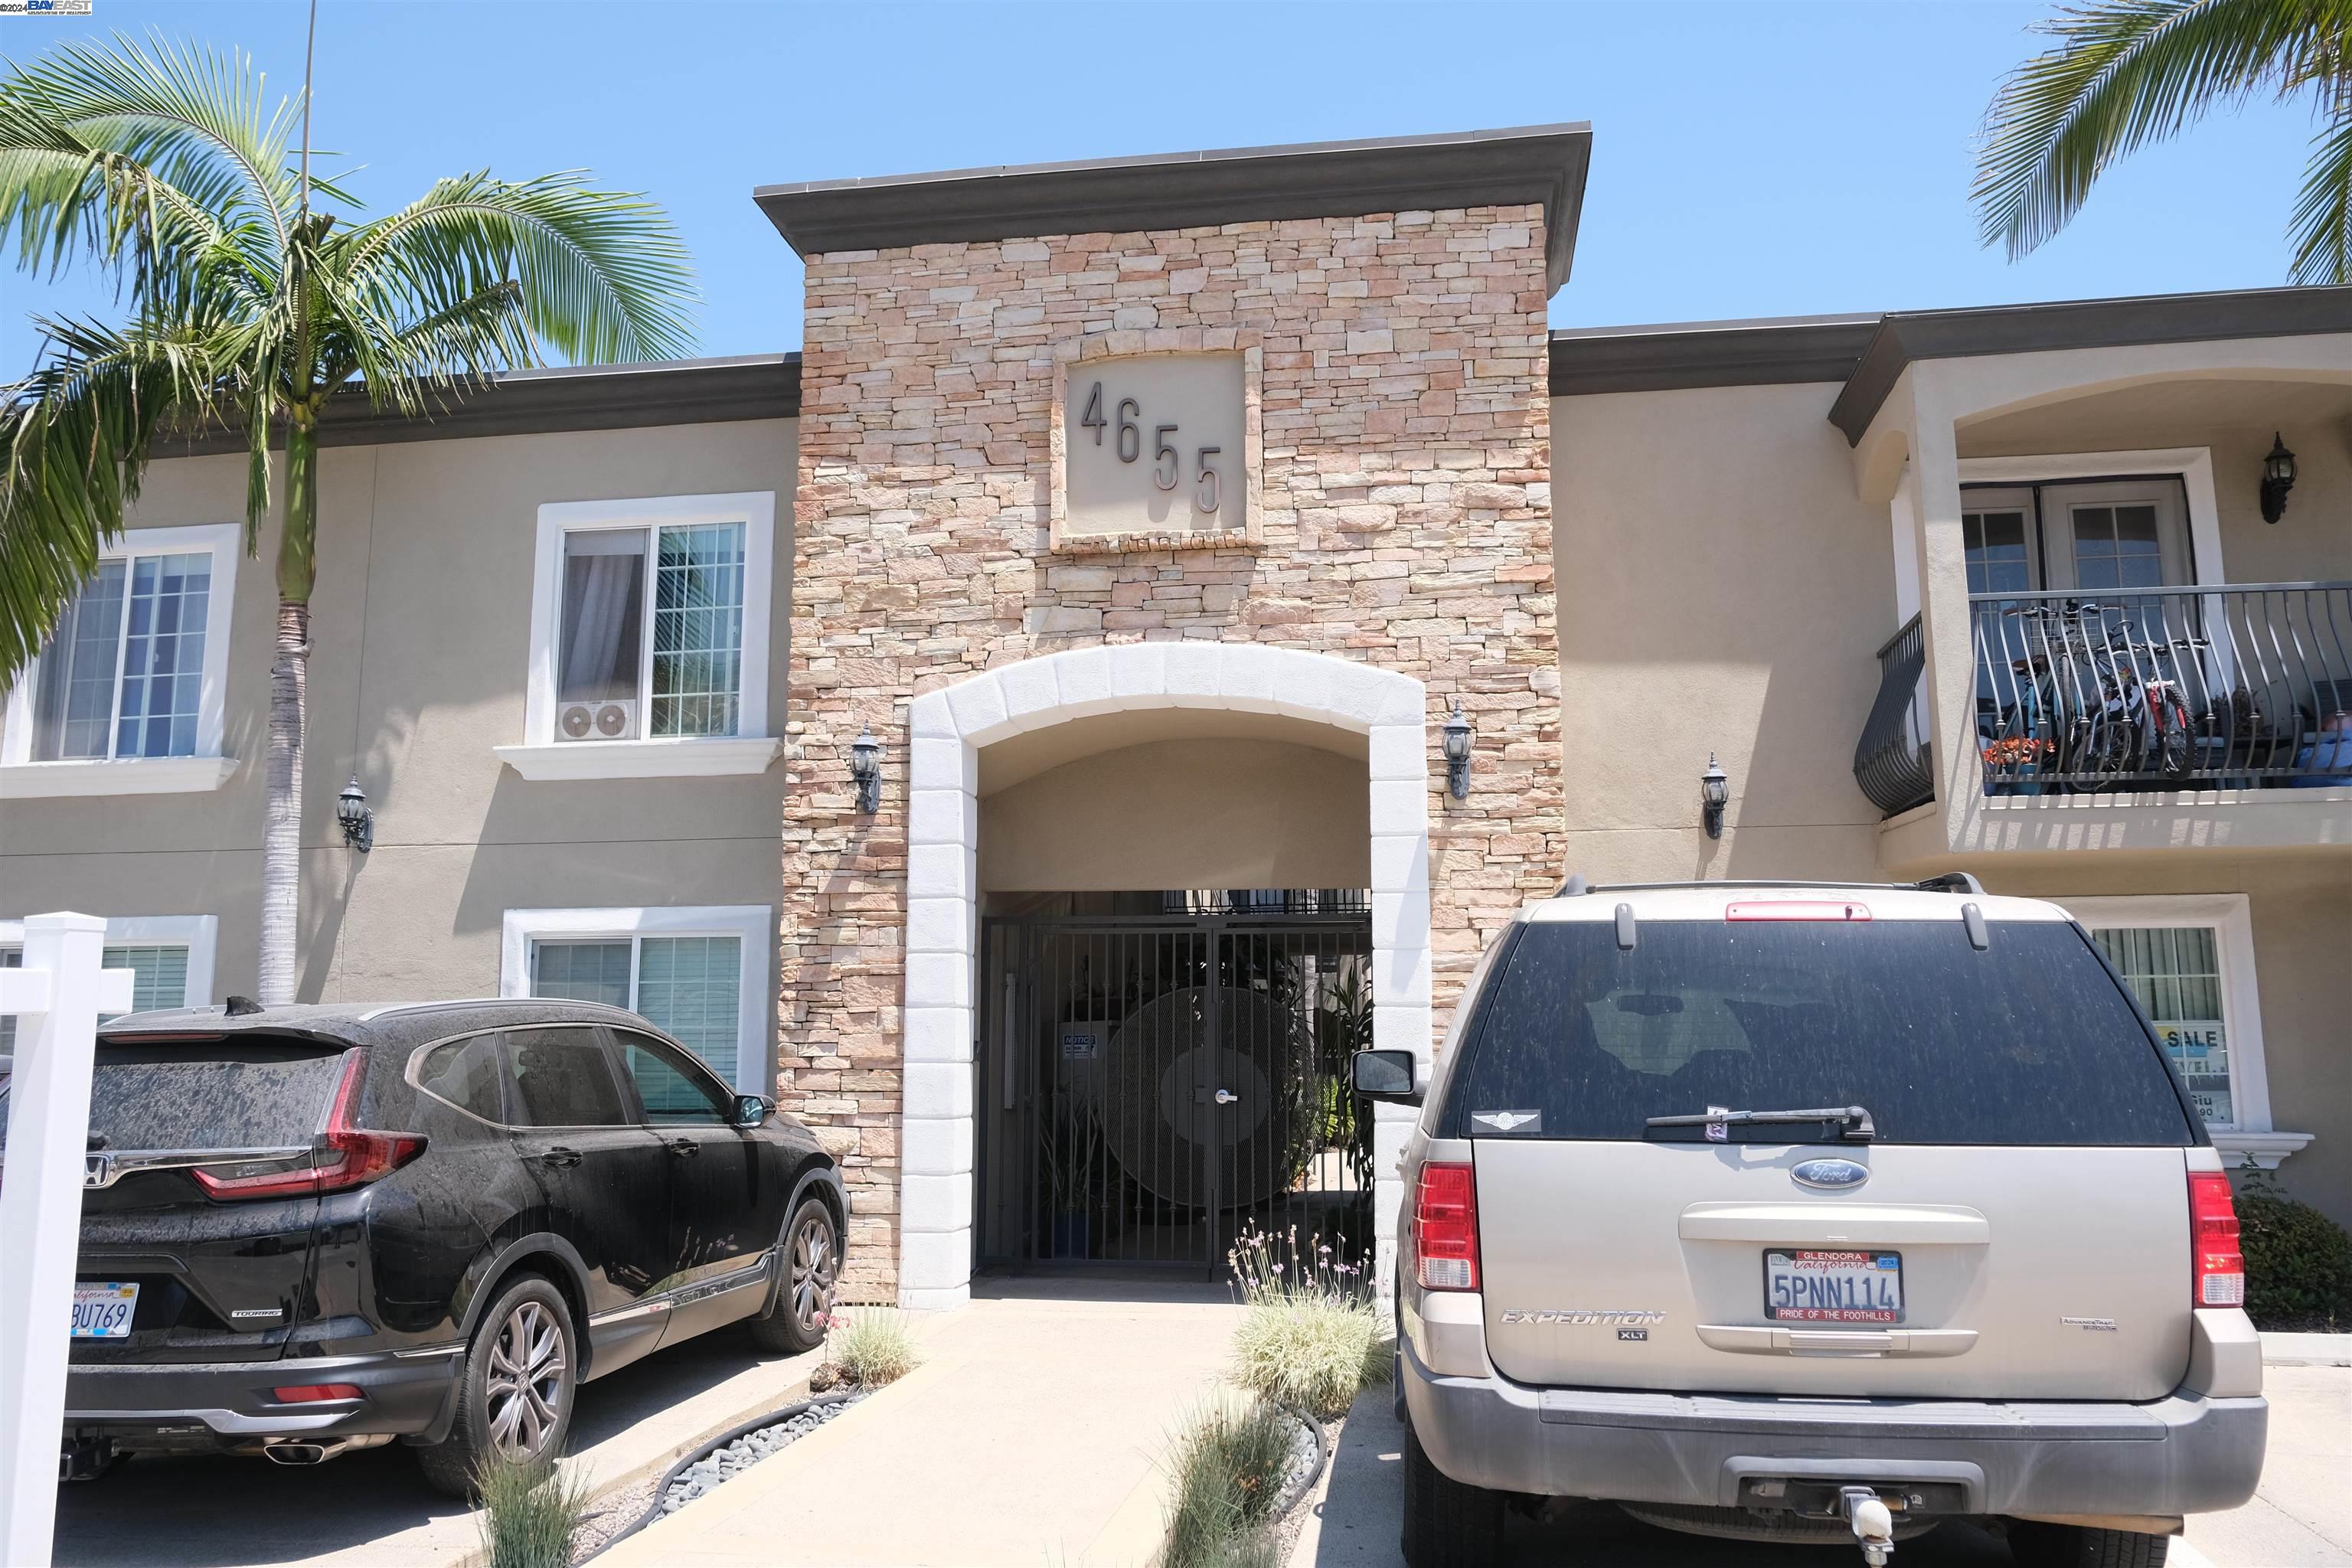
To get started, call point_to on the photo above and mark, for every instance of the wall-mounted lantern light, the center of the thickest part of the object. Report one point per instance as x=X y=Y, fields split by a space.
x=1458 y=754
x=1714 y=793
x=357 y=821
x=865 y=770
x=2278 y=478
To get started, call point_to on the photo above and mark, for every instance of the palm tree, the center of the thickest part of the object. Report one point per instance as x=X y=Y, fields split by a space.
x=250 y=305
x=2128 y=72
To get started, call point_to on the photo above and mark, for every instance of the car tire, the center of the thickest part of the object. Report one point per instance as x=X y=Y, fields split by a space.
x=809 y=1268
x=2037 y=1545
x=1447 y=1525
x=516 y=1390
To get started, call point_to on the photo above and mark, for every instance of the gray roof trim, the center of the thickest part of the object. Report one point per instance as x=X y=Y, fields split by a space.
x=568 y=398
x=1526 y=165
x=1909 y=335
x=1764 y=351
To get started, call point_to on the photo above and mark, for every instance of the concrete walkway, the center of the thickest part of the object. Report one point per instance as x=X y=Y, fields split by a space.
x=1033 y=1436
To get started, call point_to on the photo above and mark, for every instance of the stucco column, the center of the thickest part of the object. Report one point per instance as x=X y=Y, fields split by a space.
x=1945 y=620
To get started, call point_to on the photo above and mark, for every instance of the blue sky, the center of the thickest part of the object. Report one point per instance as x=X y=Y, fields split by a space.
x=1757 y=159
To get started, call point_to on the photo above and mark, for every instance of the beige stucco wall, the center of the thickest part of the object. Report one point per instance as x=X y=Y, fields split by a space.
x=1722 y=588
x=1217 y=812
x=420 y=631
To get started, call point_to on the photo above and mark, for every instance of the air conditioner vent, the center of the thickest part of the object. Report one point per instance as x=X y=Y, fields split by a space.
x=609 y=720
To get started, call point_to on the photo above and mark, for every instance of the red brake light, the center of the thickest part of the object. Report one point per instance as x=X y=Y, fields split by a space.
x=311 y=1393
x=1796 y=909
x=352 y=1156
x=2218 y=1265
x=1445 y=1228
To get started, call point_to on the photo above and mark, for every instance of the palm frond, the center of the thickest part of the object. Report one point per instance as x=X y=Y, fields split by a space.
x=2322 y=225
x=602 y=275
x=2126 y=73
x=74 y=442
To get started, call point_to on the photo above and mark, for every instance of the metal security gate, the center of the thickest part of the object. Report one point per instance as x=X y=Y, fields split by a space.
x=1152 y=1085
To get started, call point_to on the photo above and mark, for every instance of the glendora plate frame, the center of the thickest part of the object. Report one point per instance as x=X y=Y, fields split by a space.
x=1150 y=343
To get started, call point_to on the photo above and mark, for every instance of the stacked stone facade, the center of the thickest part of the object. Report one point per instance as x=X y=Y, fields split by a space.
x=1406 y=511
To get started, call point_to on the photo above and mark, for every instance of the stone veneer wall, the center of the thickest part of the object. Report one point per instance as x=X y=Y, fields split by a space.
x=1407 y=522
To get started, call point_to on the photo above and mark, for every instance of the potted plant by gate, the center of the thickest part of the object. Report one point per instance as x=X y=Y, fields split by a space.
x=1073 y=1160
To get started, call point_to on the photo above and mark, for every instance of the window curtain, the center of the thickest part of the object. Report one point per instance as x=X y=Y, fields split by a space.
x=603 y=614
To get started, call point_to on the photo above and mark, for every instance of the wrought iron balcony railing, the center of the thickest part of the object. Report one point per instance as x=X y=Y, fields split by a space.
x=2136 y=691
x=1891 y=762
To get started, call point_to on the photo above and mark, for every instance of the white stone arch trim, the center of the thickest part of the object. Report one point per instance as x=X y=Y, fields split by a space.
x=947 y=729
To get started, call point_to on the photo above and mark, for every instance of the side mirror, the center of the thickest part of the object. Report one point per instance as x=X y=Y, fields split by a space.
x=1385 y=1076
x=751 y=1109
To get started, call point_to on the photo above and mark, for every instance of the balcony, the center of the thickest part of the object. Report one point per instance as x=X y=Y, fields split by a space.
x=2133 y=692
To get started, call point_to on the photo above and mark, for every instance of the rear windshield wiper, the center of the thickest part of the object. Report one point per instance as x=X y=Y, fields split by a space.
x=1852 y=1117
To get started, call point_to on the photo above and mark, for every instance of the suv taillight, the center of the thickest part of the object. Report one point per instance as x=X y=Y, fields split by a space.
x=2218 y=1265
x=349 y=1156
x=1445 y=1228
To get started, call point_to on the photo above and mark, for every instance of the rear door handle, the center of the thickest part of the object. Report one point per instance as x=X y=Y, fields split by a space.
x=559 y=1155
x=684 y=1148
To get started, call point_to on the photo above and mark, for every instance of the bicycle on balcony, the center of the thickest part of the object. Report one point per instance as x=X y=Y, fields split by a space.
x=2092 y=704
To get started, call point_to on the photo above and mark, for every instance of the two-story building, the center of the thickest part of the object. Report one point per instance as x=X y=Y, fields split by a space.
x=1169 y=614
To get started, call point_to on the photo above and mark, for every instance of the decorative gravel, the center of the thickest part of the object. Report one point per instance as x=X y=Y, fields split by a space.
x=1303 y=1456
x=724 y=1464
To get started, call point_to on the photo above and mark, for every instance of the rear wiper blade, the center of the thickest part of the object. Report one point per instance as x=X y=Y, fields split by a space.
x=1852 y=1117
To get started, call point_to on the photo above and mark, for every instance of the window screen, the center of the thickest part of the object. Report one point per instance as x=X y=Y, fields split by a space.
x=2026 y=1043
x=699 y=630
x=123 y=675
x=561 y=1077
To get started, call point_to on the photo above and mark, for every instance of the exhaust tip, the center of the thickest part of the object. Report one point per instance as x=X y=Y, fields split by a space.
x=296 y=1453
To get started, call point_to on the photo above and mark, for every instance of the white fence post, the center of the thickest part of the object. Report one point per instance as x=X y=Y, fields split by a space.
x=59 y=993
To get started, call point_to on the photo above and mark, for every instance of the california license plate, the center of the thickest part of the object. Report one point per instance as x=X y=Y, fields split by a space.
x=103 y=1312
x=1834 y=1286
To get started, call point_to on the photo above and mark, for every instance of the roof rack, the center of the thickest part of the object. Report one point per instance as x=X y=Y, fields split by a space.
x=1576 y=887
x=374 y=1013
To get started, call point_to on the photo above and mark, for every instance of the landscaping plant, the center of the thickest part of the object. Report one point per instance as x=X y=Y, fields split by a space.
x=2298 y=1261
x=1231 y=1461
x=872 y=1347
x=1312 y=1333
x=530 y=1514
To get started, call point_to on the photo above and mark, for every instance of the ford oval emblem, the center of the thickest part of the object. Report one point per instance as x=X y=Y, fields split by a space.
x=1830 y=1175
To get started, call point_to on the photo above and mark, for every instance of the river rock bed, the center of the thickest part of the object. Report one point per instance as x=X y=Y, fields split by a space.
x=724 y=1464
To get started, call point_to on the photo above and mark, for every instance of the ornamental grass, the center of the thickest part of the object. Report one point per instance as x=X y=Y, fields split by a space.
x=1312 y=1334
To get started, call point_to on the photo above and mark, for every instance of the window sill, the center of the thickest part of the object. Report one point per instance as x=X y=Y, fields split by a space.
x=2264 y=1148
x=130 y=775
x=696 y=758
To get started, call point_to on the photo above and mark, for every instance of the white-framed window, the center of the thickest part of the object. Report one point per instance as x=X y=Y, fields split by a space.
x=128 y=694
x=171 y=956
x=700 y=975
x=2190 y=959
x=649 y=638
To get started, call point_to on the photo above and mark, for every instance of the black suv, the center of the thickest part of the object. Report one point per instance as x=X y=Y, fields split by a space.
x=308 y=1229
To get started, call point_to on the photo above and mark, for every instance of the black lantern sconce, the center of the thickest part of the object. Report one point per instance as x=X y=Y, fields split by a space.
x=866 y=771
x=357 y=821
x=2278 y=478
x=1714 y=795
x=1458 y=754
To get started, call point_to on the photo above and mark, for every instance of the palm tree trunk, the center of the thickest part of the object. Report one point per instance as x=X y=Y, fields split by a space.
x=281 y=838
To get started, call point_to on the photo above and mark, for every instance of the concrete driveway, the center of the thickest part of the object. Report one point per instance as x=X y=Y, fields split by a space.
x=2302 y=1517
x=373 y=1509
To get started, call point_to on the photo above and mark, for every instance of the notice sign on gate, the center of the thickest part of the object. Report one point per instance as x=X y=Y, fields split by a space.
x=1081 y=1042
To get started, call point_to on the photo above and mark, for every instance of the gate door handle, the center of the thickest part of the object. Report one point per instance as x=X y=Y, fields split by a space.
x=1226 y=1097
x=559 y=1155
x=684 y=1148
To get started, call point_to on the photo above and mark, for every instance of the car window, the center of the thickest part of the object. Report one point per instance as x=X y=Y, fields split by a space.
x=468 y=1074
x=674 y=1089
x=246 y=1092
x=562 y=1076
x=2027 y=1042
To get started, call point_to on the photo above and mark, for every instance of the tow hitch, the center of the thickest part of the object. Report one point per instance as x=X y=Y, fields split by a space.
x=1874 y=1525
x=85 y=1458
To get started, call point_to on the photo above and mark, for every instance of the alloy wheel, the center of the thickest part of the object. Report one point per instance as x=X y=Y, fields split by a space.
x=813 y=1263
x=525 y=1389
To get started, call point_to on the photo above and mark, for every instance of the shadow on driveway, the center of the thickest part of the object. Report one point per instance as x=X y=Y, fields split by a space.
x=368 y=1508
x=1364 y=1510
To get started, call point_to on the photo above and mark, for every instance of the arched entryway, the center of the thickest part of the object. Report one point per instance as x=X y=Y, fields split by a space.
x=1115 y=776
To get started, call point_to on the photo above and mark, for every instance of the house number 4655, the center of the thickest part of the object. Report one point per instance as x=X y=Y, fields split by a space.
x=1167 y=463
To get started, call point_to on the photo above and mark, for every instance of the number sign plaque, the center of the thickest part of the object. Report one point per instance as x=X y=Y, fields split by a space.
x=1153 y=448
